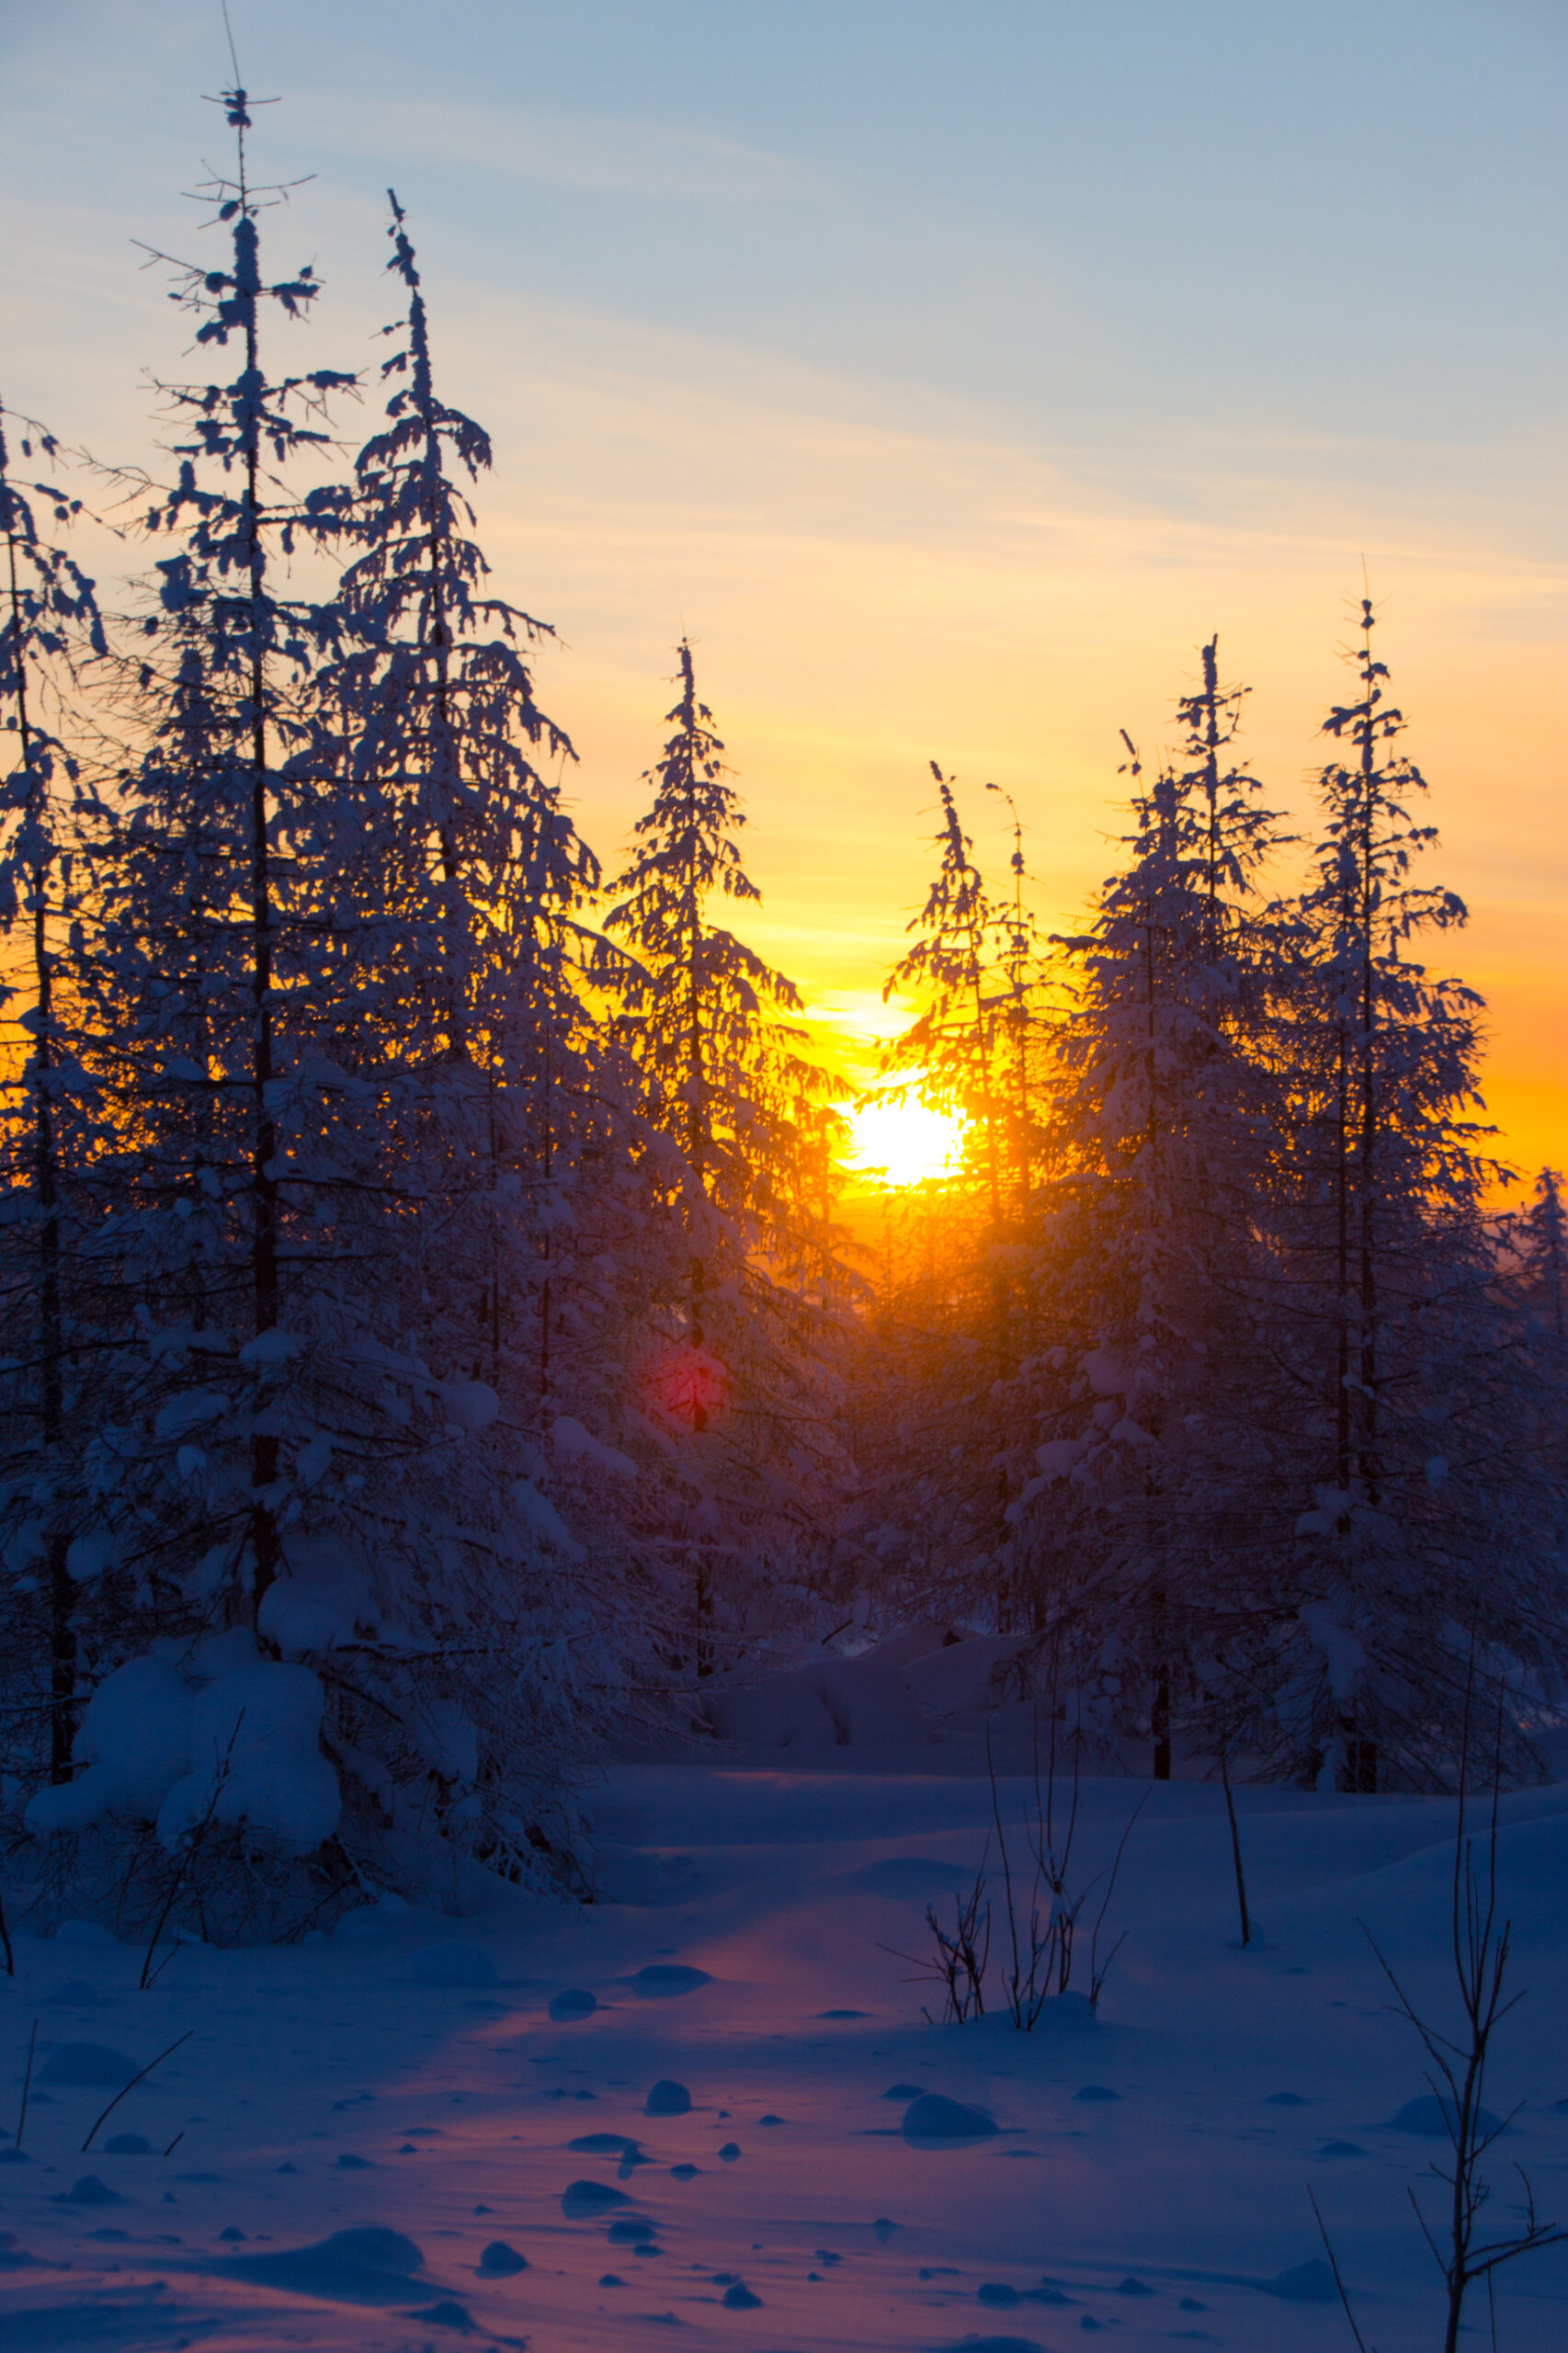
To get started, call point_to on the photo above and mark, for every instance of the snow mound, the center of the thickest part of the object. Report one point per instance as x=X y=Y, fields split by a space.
x=84 y=1932
x=573 y=2005
x=583 y=2201
x=870 y=1703
x=915 y=1642
x=366 y=2265
x=75 y=1995
x=256 y=1758
x=1307 y=2283
x=87 y=2063
x=997 y=2345
x=377 y=1919
x=128 y=2144
x=134 y=1739
x=826 y=1704
x=1432 y=2118
x=499 y=2261
x=662 y=1981
x=89 y=2191
x=965 y=1678
x=452 y=1964
x=448 y=2314
x=668 y=2098
x=935 y=2122
x=783 y=1713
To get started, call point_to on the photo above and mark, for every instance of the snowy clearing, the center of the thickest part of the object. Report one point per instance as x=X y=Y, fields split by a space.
x=376 y=2151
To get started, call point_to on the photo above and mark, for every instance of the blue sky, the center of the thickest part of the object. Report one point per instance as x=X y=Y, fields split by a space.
x=948 y=372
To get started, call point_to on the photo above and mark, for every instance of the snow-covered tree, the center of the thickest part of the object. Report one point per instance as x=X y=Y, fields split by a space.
x=740 y=1383
x=308 y=1511
x=1130 y=1447
x=1424 y=1551
x=50 y=1130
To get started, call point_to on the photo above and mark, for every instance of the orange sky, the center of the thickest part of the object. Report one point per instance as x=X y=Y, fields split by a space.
x=948 y=393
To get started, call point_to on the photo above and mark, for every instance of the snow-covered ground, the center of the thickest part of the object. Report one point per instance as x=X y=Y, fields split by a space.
x=1148 y=2173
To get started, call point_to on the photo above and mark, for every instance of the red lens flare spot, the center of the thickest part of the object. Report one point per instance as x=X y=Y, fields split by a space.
x=688 y=1387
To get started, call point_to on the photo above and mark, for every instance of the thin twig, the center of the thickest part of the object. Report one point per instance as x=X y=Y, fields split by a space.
x=27 y=2083
x=130 y=2086
x=1338 y=2279
x=1235 y=1849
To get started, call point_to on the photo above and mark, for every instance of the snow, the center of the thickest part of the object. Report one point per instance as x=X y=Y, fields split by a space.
x=515 y=2171
x=255 y=1752
x=85 y=2062
x=571 y=1439
x=452 y=1964
x=324 y=1601
x=135 y=1741
x=932 y=2120
x=471 y=1404
x=666 y=2097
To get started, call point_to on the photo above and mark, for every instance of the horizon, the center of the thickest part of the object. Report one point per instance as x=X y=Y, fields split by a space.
x=903 y=465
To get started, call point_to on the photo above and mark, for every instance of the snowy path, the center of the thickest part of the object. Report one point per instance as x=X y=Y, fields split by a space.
x=1148 y=2175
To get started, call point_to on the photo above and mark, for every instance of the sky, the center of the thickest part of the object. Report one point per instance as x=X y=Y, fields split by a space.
x=948 y=374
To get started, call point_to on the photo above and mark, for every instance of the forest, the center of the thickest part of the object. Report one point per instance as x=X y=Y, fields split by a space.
x=441 y=1342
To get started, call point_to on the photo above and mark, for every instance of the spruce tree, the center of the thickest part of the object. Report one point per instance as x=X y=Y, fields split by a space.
x=1423 y=1554
x=51 y=1129
x=1131 y=1446
x=744 y=1372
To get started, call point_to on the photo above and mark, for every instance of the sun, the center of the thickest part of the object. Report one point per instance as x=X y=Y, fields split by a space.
x=904 y=1143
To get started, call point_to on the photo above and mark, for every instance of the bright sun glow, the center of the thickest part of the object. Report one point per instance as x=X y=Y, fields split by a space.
x=904 y=1143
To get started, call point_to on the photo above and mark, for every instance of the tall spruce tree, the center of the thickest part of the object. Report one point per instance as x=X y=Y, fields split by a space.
x=51 y=1129
x=743 y=1384
x=1131 y=1448
x=1425 y=1553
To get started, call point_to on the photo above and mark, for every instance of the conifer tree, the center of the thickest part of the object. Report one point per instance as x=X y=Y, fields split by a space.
x=725 y=1081
x=51 y=1129
x=1401 y=1411
x=1137 y=1416
x=212 y=953
x=955 y=1041
x=305 y=999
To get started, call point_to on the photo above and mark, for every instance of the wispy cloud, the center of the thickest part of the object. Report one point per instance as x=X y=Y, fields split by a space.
x=606 y=153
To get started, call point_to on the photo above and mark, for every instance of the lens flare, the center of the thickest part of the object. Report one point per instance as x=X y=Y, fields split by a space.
x=685 y=1386
x=904 y=1143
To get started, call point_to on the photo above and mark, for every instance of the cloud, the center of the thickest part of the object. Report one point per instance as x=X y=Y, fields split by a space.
x=608 y=155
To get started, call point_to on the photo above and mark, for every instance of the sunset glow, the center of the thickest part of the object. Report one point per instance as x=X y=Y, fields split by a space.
x=904 y=1143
